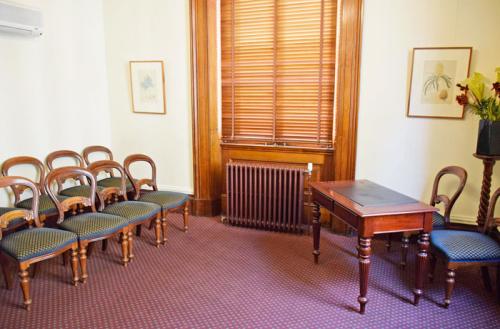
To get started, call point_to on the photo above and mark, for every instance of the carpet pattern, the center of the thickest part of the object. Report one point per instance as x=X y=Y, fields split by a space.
x=218 y=276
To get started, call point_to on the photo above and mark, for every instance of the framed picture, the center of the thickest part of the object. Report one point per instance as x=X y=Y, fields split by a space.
x=433 y=77
x=147 y=85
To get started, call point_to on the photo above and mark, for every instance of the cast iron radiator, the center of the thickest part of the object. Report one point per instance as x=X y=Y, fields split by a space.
x=265 y=196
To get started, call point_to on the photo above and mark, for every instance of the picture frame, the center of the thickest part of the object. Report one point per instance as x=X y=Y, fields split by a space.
x=434 y=73
x=147 y=86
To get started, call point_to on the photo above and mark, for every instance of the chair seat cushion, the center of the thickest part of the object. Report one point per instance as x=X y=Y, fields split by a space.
x=16 y=222
x=79 y=190
x=114 y=182
x=45 y=204
x=465 y=246
x=133 y=211
x=166 y=199
x=35 y=242
x=438 y=222
x=93 y=225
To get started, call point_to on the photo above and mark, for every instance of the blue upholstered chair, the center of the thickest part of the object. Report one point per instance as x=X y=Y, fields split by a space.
x=136 y=212
x=46 y=208
x=30 y=246
x=88 y=226
x=169 y=201
x=466 y=248
x=439 y=221
x=110 y=181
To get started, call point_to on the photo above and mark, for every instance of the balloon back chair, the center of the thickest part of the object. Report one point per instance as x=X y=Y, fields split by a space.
x=83 y=220
x=32 y=245
x=169 y=201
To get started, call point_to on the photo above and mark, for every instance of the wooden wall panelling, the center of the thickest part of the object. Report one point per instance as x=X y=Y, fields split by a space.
x=347 y=87
x=206 y=150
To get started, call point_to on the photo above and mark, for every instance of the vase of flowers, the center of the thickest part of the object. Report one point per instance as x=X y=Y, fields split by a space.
x=485 y=103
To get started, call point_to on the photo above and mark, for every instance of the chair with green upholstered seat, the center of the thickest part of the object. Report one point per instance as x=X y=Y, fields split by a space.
x=32 y=245
x=72 y=158
x=110 y=181
x=136 y=212
x=46 y=208
x=169 y=201
x=465 y=248
x=91 y=226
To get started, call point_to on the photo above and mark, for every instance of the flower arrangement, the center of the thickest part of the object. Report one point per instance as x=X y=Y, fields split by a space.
x=473 y=96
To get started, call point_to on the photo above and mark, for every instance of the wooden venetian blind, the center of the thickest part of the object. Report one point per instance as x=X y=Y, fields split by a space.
x=278 y=60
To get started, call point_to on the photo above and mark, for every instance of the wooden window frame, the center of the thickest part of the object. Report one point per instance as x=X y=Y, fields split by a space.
x=206 y=148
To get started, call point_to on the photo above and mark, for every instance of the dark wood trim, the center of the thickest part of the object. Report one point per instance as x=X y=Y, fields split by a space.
x=347 y=87
x=206 y=149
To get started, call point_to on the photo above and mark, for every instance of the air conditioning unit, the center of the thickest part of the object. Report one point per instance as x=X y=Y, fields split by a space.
x=16 y=19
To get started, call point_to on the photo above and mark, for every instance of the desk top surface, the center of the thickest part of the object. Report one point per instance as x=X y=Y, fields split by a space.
x=367 y=199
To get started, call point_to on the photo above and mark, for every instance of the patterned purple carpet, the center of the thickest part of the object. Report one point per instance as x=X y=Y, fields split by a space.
x=218 y=276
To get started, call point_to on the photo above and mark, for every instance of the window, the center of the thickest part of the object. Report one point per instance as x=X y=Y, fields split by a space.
x=278 y=63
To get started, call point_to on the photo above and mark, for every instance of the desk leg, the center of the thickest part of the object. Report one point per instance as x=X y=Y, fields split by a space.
x=422 y=261
x=364 y=252
x=316 y=231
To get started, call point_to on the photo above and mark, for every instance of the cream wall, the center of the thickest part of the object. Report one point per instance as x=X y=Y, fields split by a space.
x=151 y=30
x=53 y=88
x=406 y=153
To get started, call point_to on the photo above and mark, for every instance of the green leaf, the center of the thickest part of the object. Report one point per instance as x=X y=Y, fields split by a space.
x=497 y=70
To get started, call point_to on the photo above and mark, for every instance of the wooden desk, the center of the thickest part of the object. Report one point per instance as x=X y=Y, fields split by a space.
x=373 y=209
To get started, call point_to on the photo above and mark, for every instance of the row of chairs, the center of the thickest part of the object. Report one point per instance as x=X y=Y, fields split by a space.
x=94 y=210
x=455 y=245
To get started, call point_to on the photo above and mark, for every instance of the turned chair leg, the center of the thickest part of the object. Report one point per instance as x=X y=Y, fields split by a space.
x=388 y=243
x=25 y=285
x=74 y=264
x=498 y=283
x=83 y=261
x=104 y=245
x=124 y=239
x=164 y=226
x=432 y=269
x=485 y=274
x=6 y=273
x=130 y=244
x=186 y=216
x=33 y=270
x=158 y=229
x=405 y=242
x=450 y=282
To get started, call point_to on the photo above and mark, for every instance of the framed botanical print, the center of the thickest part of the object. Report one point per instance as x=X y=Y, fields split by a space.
x=433 y=78
x=147 y=85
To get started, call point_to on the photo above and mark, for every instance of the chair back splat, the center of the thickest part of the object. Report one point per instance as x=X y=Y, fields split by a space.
x=106 y=194
x=138 y=183
x=71 y=203
x=52 y=157
x=446 y=200
x=24 y=160
x=27 y=214
x=96 y=149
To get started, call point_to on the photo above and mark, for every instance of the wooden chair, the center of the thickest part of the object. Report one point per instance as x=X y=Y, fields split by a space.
x=110 y=181
x=466 y=248
x=88 y=226
x=46 y=208
x=439 y=222
x=136 y=212
x=32 y=245
x=169 y=201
